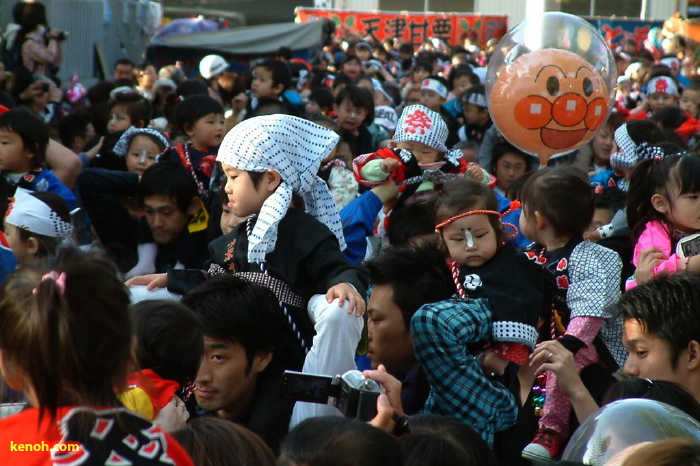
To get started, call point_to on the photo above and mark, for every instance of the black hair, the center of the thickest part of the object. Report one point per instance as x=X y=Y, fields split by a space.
x=136 y=106
x=71 y=342
x=184 y=90
x=669 y=118
x=410 y=221
x=644 y=131
x=611 y=198
x=359 y=97
x=212 y=441
x=563 y=196
x=462 y=70
x=169 y=179
x=284 y=52
x=664 y=391
x=194 y=108
x=516 y=186
x=169 y=339
x=99 y=93
x=47 y=245
x=232 y=309
x=348 y=58
x=406 y=48
x=674 y=175
x=124 y=61
x=338 y=441
x=504 y=147
x=281 y=74
x=439 y=441
x=341 y=80
x=667 y=307
x=417 y=275
x=73 y=126
x=393 y=90
x=463 y=195
x=30 y=128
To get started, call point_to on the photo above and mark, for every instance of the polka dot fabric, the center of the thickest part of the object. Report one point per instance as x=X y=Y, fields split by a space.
x=420 y=124
x=293 y=147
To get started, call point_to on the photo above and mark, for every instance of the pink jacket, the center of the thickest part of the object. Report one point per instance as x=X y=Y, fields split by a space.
x=655 y=235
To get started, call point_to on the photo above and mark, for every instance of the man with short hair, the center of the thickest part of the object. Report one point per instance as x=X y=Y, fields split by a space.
x=124 y=70
x=244 y=357
x=662 y=330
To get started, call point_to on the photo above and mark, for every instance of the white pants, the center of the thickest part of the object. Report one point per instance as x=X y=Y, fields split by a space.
x=332 y=352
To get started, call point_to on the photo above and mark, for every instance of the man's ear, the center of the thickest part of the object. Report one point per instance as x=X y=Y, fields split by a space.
x=659 y=203
x=195 y=205
x=693 y=355
x=271 y=180
x=261 y=360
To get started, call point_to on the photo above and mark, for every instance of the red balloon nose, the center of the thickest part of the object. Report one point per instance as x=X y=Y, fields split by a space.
x=569 y=109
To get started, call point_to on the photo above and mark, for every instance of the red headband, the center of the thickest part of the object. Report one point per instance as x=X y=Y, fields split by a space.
x=513 y=206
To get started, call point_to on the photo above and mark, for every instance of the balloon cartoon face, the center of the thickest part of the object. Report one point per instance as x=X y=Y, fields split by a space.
x=549 y=101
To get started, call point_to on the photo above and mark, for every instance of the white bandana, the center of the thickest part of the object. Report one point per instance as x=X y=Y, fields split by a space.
x=294 y=148
x=477 y=99
x=122 y=145
x=29 y=213
x=662 y=85
x=420 y=124
x=434 y=85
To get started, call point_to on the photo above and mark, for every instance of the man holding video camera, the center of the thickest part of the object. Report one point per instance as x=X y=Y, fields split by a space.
x=40 y=47
x=416 y=328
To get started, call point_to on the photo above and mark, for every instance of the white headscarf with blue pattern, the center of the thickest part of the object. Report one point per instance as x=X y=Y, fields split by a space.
x=294 y=148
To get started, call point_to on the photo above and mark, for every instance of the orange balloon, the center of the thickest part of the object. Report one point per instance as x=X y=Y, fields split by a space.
x=548 y=101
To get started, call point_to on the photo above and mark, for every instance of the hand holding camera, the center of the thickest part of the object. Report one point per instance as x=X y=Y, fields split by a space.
x=57 y=34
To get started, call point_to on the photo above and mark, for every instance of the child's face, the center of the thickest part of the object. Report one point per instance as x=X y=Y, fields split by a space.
x=20 y=249
x=420 y=74
x=14 y=157
x=422 y=152
x=660 y=100
x=143 y=152
x=471 y=240
x=119 y=121
x=413 y=97
x=350 y=117
x=352 y=69
x=683 y=212
x=380 y=99
x=690 y=102
x=244 y=199
x=431 y=99
x=229 y=220
x=475 y=115
x=509 y=168
x=263 y=86
x=344 y=153
x=602 y=145
x=207 y=132
x=459 y=85
x=601 y=216
x=313 y=107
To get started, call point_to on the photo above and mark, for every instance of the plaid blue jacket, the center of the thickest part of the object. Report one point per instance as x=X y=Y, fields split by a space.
x=458 y=387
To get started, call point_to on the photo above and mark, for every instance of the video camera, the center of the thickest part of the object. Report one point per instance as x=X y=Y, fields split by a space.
x=352 y=393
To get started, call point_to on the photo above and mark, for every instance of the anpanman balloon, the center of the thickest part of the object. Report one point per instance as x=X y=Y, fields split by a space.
x=550 y=84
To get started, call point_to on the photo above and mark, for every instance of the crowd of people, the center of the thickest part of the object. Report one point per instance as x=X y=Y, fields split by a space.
x=173 y=246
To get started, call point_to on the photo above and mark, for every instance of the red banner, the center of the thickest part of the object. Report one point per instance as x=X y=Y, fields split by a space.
x=411 y=26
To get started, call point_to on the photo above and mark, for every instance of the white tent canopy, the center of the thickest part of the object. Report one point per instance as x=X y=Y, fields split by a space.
x=252 y=40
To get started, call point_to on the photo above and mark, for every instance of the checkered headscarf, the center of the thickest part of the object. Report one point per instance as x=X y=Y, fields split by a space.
x=294 y=148
x=631 y=152
x=420 y=124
